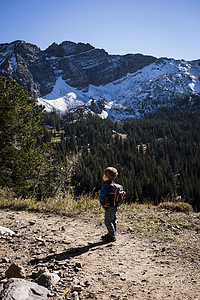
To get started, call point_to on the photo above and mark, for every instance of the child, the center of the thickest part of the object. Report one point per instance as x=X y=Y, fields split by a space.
x=110 y=174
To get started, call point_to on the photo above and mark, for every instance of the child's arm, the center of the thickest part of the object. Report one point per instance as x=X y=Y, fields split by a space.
x=103 y=193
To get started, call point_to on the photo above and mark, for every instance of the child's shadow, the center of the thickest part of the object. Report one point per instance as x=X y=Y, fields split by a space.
x=69 y=253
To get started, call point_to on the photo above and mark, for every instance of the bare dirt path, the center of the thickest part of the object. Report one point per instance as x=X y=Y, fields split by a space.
x=130 y=268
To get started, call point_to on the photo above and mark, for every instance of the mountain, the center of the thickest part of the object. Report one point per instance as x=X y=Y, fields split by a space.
x=70 y=75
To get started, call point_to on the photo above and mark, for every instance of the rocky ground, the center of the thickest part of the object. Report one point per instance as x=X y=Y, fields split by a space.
x=133 y=267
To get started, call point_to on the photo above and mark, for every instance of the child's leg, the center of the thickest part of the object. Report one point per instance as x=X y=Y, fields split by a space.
x=110 y=220
x=115 y=221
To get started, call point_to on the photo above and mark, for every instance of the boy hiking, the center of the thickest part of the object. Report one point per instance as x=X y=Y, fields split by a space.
x=111 y=196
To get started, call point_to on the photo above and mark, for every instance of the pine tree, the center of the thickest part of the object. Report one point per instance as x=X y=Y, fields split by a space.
x=28 y=166
x=20 y=119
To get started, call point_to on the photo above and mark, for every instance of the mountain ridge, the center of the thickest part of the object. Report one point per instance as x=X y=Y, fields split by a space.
x=78 y=71
x=78 y=74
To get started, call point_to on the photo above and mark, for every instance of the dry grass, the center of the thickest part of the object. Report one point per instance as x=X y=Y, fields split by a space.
x=177 y=206
x=178 y=232
x=62 y=204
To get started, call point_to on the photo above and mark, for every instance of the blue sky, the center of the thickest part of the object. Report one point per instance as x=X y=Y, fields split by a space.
x=162 y=28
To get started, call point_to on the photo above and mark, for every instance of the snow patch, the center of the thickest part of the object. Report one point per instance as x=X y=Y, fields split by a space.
x=103 y=114
x=62 y=98
x=12 y=64
x=132 y=95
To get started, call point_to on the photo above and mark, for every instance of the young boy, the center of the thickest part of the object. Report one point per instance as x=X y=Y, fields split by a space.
x=110 y=174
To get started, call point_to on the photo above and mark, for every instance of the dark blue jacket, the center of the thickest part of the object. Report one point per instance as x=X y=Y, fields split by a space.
x=104 y=192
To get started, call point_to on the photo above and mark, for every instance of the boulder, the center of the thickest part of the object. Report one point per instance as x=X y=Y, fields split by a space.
x=20 y=289
x=6 y=231
x=48 y=279
x=15 y=271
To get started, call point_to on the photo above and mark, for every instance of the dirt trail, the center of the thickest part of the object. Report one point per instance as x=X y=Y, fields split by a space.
x=130 y=268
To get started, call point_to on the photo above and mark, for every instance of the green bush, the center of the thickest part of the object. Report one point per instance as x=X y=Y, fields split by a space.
x=178 y=207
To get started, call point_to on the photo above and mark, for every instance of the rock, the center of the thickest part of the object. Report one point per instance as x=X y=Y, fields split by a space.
x=87 y=283
x=78 y=264
x=6 y=231
x=51 y=294
x=20 y=289
x=32 y=223
x=41 y=241
x=75 y=295
x=48 y=279
x=15 y=271
x=75 y=281
x=36 y=274
x=130 y=229
x=76 y=288
x=5 y=260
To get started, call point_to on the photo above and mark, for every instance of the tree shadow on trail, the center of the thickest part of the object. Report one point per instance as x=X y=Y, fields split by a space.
x=69 y=253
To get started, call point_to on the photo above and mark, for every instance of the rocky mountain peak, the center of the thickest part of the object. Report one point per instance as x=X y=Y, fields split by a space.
x=79 y=65
x=131 y=84
x=67 y=48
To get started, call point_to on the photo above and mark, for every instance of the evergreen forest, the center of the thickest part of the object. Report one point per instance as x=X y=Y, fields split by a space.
x=42 y=154
x=157 y=157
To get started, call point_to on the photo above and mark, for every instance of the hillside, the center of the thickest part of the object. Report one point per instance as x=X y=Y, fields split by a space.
x=157 y=158
x=156 y=255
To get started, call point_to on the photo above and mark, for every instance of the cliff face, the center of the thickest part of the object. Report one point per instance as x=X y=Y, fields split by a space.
x=69 y=75
x=79 y=65
x=27 y=64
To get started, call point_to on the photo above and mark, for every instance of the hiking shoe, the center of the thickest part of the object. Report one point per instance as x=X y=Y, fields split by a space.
x=105 y=236
x=108 y=238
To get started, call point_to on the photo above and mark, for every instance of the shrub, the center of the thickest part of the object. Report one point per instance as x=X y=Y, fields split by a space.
x=178 y=207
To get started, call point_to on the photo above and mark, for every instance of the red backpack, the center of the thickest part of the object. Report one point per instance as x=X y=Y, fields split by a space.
x=115 y=196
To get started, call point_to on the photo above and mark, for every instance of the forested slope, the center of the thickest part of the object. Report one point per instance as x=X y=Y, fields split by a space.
x=157 y=157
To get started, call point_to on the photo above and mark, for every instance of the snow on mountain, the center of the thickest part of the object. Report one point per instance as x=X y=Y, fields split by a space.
x=133 y=95
x=63 y=98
